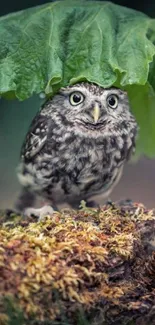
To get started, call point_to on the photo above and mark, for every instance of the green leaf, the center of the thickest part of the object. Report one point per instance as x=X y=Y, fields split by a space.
x=64 y=42
x=142 y=100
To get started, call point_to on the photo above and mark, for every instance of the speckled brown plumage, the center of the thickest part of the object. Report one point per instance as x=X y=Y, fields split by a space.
x=77 y=145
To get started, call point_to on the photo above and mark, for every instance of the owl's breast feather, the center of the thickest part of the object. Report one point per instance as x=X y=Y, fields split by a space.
x=63 y=171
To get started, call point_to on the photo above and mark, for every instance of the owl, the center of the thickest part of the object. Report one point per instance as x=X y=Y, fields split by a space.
x=76 y=146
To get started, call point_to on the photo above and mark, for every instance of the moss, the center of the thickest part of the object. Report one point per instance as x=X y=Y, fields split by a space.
x=92 y=266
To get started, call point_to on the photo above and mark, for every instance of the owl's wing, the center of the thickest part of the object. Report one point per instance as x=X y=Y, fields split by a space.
x=36 y=137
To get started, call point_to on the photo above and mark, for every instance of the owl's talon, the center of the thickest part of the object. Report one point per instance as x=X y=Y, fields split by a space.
x=41 y=213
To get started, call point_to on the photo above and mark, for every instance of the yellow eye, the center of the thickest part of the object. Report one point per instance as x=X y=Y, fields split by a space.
x=112 y=101
x=76 y=98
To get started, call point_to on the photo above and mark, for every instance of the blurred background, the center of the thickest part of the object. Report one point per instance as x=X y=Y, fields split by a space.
x=138 y=181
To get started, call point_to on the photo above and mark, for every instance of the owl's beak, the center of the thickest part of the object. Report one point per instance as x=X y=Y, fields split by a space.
x=96 y=113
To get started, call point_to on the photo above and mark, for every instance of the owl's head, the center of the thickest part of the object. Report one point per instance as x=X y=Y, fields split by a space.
x=91 y=108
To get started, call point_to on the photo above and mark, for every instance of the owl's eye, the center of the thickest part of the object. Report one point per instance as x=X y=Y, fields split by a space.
x=112 y=101
x=76 y=98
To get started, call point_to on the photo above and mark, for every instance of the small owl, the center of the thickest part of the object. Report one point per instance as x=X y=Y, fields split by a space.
x=77 y=145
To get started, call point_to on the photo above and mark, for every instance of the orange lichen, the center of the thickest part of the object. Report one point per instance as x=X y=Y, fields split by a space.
x=75 y=258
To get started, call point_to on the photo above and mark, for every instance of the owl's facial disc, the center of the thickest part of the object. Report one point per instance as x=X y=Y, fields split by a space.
x=91 y=108
x=90 y=111
x=92 y=118
x=99 y=113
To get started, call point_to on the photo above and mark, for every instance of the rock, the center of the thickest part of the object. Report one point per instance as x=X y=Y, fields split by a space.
x=91 y=266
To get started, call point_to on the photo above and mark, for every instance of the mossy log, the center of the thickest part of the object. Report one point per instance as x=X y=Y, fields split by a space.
x=92 y=266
